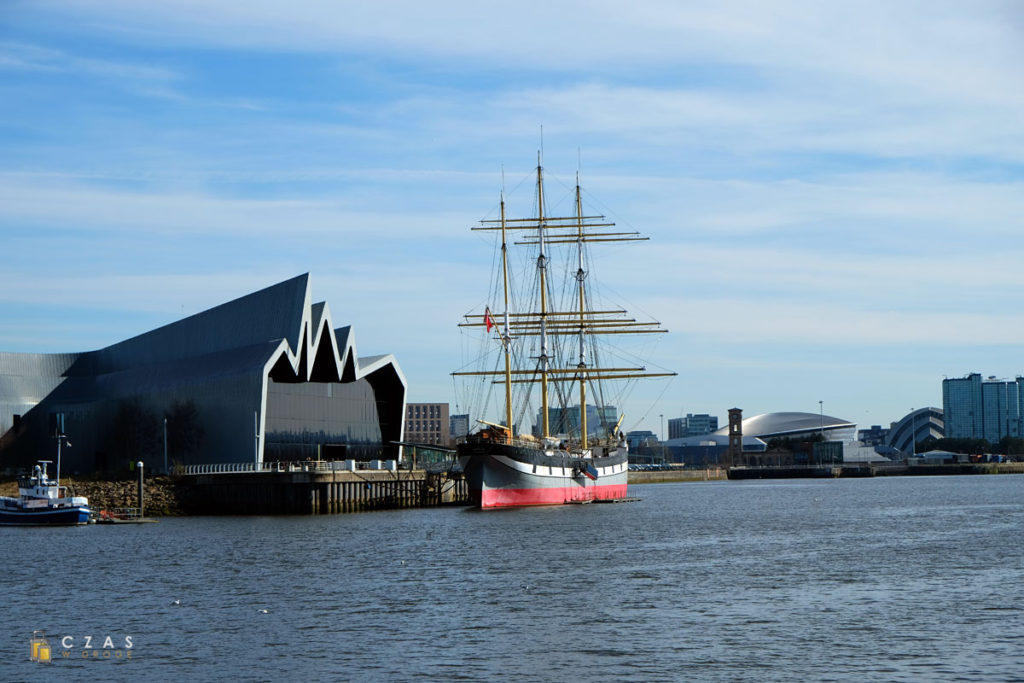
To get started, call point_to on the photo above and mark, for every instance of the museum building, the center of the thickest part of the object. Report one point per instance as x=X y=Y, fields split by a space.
x=266 y=377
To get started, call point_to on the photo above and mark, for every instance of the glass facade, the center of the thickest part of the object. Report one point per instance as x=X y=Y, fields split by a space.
x=983 y=409
x=322 y=420
x=827 y=453
x=692 y=425
x=567 y=420
x=458 y=425
x=962 y=407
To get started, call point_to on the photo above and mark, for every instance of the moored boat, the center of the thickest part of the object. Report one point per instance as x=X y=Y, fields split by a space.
x=506 y=473
x=42 y=501
x=576 y=462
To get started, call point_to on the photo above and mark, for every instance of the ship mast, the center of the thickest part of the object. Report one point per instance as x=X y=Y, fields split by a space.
x=544 y=232
x=581 y=276
x=542 y=267
x=506 y=337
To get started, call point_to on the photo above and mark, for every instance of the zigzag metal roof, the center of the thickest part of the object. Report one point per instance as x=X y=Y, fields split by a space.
x=276 y=330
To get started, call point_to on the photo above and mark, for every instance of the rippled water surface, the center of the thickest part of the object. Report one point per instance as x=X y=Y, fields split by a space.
x=901 y=579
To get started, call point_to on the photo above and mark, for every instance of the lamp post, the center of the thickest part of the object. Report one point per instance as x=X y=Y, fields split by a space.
x=256 y=458
x=62 y=438
x=166 y=471
x=661 y=437
x=821 y=426
x=913 y=433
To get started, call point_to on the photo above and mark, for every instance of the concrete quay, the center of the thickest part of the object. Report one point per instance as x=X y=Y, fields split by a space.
x=672 y=475
x=855 y=471
x=313 y=492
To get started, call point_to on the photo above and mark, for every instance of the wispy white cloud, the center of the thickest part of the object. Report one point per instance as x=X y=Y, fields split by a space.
x=28 y=57
x=814 y=175
x=949 y=49
x=839 y=323
x=70 y=206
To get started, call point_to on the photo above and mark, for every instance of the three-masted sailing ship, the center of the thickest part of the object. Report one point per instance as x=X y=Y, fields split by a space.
x=582 y=463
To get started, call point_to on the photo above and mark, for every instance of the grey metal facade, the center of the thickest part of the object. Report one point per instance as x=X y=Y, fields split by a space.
x=234 y=363
x=914 y=428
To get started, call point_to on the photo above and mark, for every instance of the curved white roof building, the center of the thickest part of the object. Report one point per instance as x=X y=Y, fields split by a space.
x=795 y=425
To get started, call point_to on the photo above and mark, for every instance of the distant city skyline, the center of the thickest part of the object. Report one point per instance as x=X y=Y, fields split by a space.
x=833 y=192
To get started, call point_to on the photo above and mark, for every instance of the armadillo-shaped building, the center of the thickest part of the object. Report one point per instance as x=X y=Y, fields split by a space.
x=265 y=377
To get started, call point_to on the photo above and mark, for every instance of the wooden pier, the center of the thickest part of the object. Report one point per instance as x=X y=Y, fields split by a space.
x=313 y=491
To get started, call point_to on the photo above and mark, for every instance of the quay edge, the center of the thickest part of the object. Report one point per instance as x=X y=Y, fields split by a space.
x=275 y=493
x=859 y=471
x=315 y=493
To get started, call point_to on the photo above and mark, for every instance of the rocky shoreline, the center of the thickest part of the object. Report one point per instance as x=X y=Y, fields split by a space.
x=163 y=495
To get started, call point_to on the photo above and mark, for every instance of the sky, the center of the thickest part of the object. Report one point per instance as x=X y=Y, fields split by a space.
x=834 y=192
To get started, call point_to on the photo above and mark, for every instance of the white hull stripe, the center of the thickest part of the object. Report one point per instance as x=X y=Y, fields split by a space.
x=559 y=472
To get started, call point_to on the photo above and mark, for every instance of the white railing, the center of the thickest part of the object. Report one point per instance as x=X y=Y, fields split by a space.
x=291 y=466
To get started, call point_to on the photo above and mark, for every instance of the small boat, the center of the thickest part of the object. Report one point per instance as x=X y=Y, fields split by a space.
x=43 y=501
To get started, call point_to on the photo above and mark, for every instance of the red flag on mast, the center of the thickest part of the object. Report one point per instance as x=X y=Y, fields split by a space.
x=488 y=320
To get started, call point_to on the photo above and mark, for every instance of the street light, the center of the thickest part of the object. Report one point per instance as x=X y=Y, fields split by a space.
x=821 y=425
x=913 y=433
x=661 y=437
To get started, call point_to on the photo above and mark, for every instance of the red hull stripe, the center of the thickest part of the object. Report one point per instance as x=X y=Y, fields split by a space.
x=494 y=498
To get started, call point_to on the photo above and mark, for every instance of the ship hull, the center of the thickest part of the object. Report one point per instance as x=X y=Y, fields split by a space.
x=502 y=475
x=46 y=517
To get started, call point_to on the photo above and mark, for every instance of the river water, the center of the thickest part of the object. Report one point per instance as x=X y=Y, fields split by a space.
x=890 y=579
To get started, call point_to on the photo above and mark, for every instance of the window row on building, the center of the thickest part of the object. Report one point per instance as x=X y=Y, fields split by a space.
x=427 y=423
x=692 y=425
x=976 y=408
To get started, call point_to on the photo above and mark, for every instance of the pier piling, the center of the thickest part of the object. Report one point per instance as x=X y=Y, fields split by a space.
x=318 y=492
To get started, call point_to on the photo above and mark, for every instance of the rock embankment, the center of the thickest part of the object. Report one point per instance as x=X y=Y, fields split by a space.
x=162 y=494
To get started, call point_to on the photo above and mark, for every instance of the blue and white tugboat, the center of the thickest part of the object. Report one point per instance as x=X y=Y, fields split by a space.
x=43 y=501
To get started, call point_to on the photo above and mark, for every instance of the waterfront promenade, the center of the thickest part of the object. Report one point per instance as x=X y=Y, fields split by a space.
x=314 y=488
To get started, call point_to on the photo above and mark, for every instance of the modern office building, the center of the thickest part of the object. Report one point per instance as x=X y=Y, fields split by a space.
x=567 y=420
x=874 y=436
x=264 y=377
x=691 y=425
x=458 y=425
x=976 y=408
x=427 y=423
x=641 y=438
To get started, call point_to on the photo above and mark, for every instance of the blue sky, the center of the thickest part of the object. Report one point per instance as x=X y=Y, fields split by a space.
x=834 y=191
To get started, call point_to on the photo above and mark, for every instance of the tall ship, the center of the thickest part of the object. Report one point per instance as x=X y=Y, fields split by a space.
x=543 y=341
